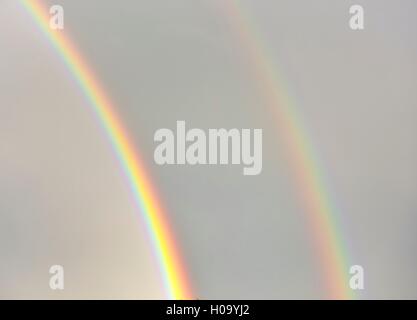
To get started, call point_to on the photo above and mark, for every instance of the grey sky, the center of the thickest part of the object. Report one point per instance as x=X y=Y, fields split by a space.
x=65 y=201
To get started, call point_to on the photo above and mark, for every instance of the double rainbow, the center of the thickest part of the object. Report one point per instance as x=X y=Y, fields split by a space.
x=321 y=213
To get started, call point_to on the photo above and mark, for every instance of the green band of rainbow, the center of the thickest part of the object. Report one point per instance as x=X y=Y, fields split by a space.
x=170 y=262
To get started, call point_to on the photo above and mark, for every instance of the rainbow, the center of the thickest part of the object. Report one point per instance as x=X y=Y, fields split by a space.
x=169 y=259
x=321 y=213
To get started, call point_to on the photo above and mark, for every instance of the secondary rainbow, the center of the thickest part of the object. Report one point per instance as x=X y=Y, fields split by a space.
x=170 y=262
x=321 y=212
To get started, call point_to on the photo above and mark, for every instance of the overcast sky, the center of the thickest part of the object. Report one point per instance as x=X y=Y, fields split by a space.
x=64 y=200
